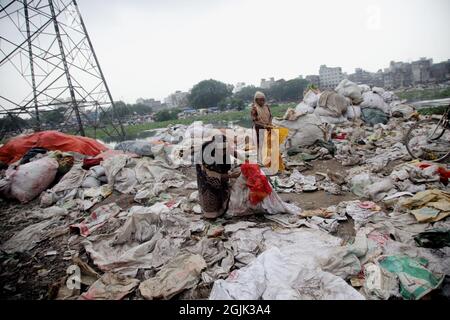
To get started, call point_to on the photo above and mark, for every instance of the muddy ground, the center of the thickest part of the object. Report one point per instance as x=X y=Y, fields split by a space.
x=39 y=273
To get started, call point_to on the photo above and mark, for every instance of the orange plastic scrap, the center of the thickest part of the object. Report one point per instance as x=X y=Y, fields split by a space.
x=257 y=182
x=17 y=147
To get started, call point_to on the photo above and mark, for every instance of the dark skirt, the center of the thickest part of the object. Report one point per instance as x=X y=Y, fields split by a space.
x=213 y=192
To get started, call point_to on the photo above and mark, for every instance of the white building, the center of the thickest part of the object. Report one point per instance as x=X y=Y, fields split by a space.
x=330 y=77
x=178 y=99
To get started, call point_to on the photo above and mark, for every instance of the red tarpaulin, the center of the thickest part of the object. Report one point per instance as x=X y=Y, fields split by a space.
x=17 y=147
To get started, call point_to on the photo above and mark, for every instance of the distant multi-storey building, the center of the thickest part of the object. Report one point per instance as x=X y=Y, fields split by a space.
x=152 y=103
x=266 y=84
x=361 y=76
x=330 y=77
x=398 y=74
x=178 y=99
x=421 y=70
x=377 y=79
x=440 y=72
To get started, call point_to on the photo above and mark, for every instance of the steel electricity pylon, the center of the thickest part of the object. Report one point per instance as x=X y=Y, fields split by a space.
x=50 y=76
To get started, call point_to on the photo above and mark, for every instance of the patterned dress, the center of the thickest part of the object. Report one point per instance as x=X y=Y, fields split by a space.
x=213 y=191
x=260 y=115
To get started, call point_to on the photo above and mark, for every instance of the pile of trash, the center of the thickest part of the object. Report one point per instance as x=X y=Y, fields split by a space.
x=350 y=101
x=129 y=222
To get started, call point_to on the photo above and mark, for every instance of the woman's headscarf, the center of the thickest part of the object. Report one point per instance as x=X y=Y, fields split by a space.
x=259 y=94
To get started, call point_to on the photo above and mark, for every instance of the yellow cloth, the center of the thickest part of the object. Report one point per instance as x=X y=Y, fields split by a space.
x=276 y=134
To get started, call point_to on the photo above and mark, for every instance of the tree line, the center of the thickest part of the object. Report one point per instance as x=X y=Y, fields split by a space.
x=212 y=93
x=205 y=94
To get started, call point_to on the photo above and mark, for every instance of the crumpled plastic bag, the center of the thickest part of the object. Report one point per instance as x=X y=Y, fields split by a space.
x=111 y=286
x=182 y=272
x=379 y=283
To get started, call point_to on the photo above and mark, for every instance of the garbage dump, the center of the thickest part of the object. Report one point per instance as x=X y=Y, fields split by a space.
x=350 y=216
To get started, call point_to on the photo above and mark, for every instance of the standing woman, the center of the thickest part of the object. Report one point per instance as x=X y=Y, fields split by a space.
x=261 y=117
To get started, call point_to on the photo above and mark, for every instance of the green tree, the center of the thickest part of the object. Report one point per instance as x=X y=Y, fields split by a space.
x=247 y=93
x=287 y=91
x=208 y=93
x=140 y=109
x=223 y=104
x=281 y=91
x=53 y=117
x=165 y=115
x=123 y=111
x=12 y=123
x=238 y=104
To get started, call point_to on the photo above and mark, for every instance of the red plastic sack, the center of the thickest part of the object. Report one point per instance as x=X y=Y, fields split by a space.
x=17 y=147
x=256 y=182
x=89 y=163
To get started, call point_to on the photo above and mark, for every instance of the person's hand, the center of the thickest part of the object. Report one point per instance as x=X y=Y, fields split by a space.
x=234 y=175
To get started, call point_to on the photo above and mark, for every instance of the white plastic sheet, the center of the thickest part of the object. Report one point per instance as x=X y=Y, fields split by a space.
x=292 y=268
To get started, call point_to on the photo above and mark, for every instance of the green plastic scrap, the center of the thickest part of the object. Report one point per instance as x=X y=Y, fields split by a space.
x=415 y=279
x=373 y=116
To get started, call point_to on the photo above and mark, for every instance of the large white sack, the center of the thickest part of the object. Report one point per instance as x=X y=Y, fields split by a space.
x=350 y=90
x=324 y=112
x=373 y=100
x=364 y=88
x=240 y=205
x=32 y=178
x=303 y=131
x=389 y=96
x=333 y=120
x=303 y=107
x=311 y=98
x=404 y=110
x=353 y=112
x=378 y=90
x=328 y=116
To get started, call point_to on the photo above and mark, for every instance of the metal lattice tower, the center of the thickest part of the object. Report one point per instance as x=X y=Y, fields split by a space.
x=48 y=65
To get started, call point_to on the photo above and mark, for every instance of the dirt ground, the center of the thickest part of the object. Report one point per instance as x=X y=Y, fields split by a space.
x=37 y=274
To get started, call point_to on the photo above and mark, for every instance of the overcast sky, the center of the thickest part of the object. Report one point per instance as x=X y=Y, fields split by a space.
x=150 y=48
